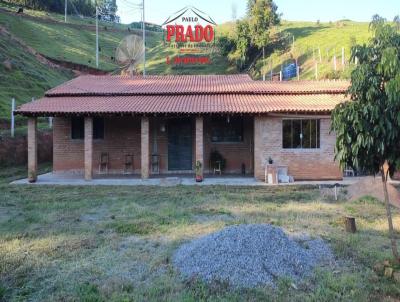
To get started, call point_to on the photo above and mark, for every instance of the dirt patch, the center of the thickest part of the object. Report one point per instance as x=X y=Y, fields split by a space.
x=372 y=186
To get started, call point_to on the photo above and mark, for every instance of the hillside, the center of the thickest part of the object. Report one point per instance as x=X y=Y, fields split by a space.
x=22 y=75
x=310 y=40
x=72 y=42
x=75 y=41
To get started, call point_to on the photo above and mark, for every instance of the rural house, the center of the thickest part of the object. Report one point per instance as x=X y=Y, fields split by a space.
x=163 y=125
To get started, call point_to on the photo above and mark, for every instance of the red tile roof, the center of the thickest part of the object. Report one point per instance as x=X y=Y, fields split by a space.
x=185 y=94
x=190 y=84
x=147 y=104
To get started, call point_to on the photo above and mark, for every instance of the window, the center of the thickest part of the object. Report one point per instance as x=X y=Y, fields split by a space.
x=98 y=128
x=78 y=128
x=229 y=130
x=301 y=134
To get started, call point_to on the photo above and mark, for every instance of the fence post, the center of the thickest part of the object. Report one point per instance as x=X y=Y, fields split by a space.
x=298 y=72
x=343 y=61
x=320 y=56
x=12 y=117
x=334 y=62
x=316 y=70
x=280 y=76
x=293 y=44
x=50 y=122
x=270 y=68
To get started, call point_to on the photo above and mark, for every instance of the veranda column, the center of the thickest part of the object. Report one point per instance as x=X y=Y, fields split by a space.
x=199 y=142
x=88 y=147
x=145 y=147
x=32 y=149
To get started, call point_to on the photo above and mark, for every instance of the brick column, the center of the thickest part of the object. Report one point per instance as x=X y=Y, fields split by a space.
x=145 y=147
x=199 y=141
x=259 y=132
x=32 y=149
x=88 y=147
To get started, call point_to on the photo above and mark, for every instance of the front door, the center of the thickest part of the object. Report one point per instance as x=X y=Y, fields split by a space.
x=180 y=144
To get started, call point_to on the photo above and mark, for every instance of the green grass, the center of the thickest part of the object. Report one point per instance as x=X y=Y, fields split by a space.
x=28 y=77
x=116 y=243
x=73 y=42
x=68 y=42
x=309 y=36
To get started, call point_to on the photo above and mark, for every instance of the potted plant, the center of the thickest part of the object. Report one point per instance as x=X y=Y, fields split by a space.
x=199 y=171
x=270 y=161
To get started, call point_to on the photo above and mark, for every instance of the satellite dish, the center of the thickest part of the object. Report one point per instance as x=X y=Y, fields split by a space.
x=129 y=54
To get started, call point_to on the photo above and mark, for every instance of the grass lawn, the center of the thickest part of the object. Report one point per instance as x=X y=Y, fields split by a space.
x=116 y=243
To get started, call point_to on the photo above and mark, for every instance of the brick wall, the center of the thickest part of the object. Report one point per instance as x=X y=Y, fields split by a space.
x=121 y=136
x=235 y=154
x=311 y=164
x=14 y=151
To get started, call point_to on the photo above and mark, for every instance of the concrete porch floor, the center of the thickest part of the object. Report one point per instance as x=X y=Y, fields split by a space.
x=77 y=180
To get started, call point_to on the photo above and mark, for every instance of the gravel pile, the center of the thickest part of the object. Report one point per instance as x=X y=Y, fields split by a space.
x=251 y=255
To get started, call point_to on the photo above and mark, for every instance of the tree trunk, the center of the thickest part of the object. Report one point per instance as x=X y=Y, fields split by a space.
x=350 y=224
x=385 y=172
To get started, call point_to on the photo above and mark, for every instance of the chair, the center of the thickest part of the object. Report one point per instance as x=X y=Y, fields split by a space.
x=283 y=176
x=348 y=171
x=155 y=164
x=217 y=167
x=103 y=166
x=128 y=167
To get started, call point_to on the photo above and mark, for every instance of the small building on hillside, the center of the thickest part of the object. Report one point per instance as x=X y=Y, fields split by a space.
x=164 y=125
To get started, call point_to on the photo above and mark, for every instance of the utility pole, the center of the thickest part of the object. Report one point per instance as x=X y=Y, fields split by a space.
x=97 y=37
x=65 y=11
x=263 y=54
x=293 y=44
x=144 y=42
x=12 y=117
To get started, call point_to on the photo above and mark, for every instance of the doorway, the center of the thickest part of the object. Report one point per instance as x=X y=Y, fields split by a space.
x=180 y=144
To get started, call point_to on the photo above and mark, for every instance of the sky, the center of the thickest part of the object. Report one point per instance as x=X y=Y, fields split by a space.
x=157 y=11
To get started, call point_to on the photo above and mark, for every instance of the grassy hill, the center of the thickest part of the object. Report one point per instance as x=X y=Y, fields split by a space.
x=73 y=42
x=316 y=44
x=22 y=76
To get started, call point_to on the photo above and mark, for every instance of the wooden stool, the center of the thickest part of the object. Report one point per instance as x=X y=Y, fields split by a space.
x=128 y=168
x=217 y=167
x=103 y=166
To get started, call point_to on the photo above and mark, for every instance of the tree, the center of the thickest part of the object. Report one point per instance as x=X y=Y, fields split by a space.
x=108 y=9
x=368 y=125
x=396 y=21
x=242 y=40
x=82 y=7
x=262 y=15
